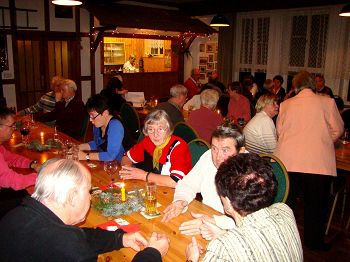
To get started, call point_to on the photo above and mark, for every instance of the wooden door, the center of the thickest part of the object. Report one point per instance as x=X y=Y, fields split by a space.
x=39 y=59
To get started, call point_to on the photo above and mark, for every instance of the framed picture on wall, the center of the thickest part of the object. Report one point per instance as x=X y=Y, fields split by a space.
x=211 y=58
x=210 y=66
x=215 y=57
x=202 y=76
x=202 y=69
x=210 y=48
x=203 y=60
x=202 y=48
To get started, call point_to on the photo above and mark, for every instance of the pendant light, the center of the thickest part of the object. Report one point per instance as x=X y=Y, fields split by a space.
x=67 y=2
x=345 y=11
x=219 y=20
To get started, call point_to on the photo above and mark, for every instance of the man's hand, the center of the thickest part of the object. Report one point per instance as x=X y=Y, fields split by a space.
x=210 y=231
x=134 y=241
x=173 y=210
x=192 y=227
x=193 y=250
x=160 y=242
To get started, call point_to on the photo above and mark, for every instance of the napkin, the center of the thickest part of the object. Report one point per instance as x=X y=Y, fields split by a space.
x=119 y=223
x=114 y=185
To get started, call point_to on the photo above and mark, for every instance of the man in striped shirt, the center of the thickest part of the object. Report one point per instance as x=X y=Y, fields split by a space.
x=48 y=101
x=263 y=232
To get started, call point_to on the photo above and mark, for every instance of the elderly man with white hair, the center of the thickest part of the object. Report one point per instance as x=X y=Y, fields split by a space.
x=69 y=112
x=173 y=107
x=42 y=228
x=204 y=120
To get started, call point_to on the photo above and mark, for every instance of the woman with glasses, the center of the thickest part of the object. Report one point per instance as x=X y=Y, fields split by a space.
x=108 y=133
x=160 y=157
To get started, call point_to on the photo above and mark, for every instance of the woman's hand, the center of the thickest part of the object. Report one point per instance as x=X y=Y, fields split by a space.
x=192 y=227
x=129 y=172
x=193 y=250
x=134 y=241
x=210 y=231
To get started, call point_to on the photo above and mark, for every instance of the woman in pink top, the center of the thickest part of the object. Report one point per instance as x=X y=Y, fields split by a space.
x=307 y=127
x=12 y=182
x=239 y=106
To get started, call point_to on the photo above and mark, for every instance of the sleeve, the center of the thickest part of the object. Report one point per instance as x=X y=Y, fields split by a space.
x=50 y=116
x=92 y=144
x=181 y=161
x=101 y=241
x=149 y=254
x=246 y=113
x=114 y=143
x=187 y=188
x=335 y=122
x=35 y=108
x=269 y=135
x=216 y=251
x=136 y=153
x=11 y=179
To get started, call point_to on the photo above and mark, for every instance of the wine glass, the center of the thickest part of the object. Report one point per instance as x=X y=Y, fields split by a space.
x=111 y=168
x=25 y=130
x=32 y=121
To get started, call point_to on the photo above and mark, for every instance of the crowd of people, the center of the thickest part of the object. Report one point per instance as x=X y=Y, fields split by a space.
x=239 y=122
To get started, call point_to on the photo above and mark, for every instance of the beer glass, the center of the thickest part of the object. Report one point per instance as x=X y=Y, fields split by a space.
x=151 y=199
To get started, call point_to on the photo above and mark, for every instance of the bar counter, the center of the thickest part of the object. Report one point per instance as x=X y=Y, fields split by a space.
x=155 y=84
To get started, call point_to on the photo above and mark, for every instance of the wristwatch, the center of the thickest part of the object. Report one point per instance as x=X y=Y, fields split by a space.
x=87 y=156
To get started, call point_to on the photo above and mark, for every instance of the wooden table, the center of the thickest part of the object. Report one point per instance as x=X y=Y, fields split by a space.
x=178 y=242
x=342 y=153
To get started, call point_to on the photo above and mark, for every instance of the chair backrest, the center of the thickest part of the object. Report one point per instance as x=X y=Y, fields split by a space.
x=130 y=119
x=84 y=127
x=185 y=131
x=197 y=148
x=281 y=175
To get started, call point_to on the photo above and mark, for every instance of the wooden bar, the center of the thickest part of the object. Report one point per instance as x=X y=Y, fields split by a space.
x=155 y=84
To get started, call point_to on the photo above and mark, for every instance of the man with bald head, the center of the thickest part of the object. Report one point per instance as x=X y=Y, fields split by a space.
x=42 y=228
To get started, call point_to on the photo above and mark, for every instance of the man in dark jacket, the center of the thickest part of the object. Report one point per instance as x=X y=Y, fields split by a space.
x=42 y=228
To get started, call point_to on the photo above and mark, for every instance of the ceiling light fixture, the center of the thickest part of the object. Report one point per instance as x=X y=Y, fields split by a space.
x=219 y=20
x=345 y=11
x=67 y=2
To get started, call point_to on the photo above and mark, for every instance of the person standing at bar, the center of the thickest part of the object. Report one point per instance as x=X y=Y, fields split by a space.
x=129 y=66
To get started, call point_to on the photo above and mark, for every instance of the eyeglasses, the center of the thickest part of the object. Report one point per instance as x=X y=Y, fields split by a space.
x=11 y=126
x=94 y=117
x=158 y=130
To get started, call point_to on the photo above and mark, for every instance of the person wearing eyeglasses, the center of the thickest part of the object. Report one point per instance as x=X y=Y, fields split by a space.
x=108 y=133
x=160 y=157
x=12 y=184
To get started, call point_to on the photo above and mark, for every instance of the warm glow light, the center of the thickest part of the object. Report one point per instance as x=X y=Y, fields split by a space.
x=66 y=2
x=219 y=20
x=41 y=134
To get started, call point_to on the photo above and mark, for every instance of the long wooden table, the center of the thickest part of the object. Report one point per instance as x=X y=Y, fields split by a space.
x=342 y=153
x=178 y=242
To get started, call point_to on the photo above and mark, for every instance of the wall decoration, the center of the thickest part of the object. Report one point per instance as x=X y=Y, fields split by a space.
x=215 y=57
x=210 y=66
x=202 y=48
x=211 y=58
x=210 y=48
x=202 y=76
x=202 y=69
x=203 y=60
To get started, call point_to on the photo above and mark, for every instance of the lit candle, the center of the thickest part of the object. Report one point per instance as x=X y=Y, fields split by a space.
x=42 y=138
x=218 y=111
x=123 y=192
x=156 y=102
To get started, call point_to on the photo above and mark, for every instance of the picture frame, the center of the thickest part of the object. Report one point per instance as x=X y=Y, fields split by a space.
x=211 y=58
x=210 y=48
x=202 y=76
x=203 y=60
x=203 y=69
x=202 y=48
x=210 y=66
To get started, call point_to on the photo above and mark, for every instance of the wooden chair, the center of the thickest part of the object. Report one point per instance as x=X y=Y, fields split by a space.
x=281 y=175
x=130 y=119
x=84 y=128
x=197 y=148
x=185 y=131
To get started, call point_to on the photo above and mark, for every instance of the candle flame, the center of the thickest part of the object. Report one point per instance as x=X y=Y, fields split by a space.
x=122 y=184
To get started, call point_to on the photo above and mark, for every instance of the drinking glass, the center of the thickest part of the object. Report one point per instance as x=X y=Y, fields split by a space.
x=25 y=130
x=68 y=149
x=151 y=199
x=111 y=168
x=32 y=121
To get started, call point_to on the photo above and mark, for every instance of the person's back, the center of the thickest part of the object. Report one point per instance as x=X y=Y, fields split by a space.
x=269 y=234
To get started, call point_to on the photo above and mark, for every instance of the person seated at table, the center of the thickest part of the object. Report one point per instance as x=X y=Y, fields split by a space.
x=162 y=157
x=226 y=141
x=108 y=133
x=114 y=92
x=260 y=132
x=48 y=101
x=129 y=65
x=69 y=113
x=264 y=231
x=12 y=183
x=173 y=107
x=42 y=228
x=239 y=105
x=205 y=119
